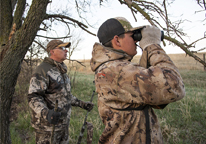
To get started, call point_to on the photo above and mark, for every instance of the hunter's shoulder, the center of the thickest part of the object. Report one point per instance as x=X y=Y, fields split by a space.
x=43 y=68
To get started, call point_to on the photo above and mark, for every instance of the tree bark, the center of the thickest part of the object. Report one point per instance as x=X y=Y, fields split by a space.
x=5 y=20
x=19 y=12
x=11 y=60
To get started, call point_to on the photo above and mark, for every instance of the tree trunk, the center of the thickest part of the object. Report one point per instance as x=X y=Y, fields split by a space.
x=9 y=73
x=5 y=20
x=10 y=63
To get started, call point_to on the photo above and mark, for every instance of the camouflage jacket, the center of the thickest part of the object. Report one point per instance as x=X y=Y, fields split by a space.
x=48 y=84
x=123 y=85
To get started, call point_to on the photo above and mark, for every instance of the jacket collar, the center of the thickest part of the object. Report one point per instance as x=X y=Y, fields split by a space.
x=102 y=54
x=61 y=66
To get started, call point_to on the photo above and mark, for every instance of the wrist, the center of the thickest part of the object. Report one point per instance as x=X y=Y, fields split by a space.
x=81 y=104
x=44 y=113
x=145 y=44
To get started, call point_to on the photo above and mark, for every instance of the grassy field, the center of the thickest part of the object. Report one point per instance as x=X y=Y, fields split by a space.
x=182 y=122
x=182 y=61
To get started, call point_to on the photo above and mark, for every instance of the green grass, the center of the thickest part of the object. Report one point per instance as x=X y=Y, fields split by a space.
x=21 y=130
x=83 y=90
x=182 y=122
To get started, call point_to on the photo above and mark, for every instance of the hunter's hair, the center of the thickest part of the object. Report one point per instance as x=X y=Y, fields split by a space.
x=109 y=43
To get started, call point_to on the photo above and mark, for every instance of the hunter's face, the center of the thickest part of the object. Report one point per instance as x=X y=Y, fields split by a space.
x=59 y=54
x=128 y=44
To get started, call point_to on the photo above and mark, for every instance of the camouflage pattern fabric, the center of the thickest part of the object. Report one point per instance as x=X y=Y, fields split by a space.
x=89 y=133
x=121 y=85
x=48 y=84
x=44 y=137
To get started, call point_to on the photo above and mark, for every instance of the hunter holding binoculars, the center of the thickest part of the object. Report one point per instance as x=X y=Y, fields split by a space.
x=127 y=91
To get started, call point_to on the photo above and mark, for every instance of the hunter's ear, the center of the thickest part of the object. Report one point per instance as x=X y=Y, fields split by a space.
x=116 y=42
x=51 y=52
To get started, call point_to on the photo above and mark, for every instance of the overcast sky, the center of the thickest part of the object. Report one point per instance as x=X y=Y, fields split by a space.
x=184 y=9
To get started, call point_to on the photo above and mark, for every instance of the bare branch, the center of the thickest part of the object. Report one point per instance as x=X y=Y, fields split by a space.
x=67 y=23
x=53 y=37
x=202 y=3
x=129 y=4
x=88 y=31
x=40 y=44
x=100 y=2
x=172 y=28
x=81 y=25
x=202 y=49
x=82 y=8
x=166 y=15
x=143 y=13
x=45 y=26
x=42 y=29
x=65 y=17
x=197 y=41
x=185 y=49
x=77 y=62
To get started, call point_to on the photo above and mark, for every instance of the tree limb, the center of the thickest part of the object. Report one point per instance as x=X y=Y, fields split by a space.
x=77 y=62
x=166 y=15
x=203 y=2
x=81 y=25
x=5 y=22
x=65 y=17
x=174 y=28
x=185 y=49
x=197 y=41
x=143 y=13
x=40 y=44
x=53 y=37
x=19 y=13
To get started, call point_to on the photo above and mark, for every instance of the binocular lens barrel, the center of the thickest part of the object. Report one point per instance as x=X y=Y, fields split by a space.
x=137 y=36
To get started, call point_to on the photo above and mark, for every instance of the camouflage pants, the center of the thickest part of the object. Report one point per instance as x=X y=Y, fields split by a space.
x=44 y=137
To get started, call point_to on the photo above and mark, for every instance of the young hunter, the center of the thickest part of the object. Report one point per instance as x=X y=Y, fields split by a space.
x=128 y=92
x=50 y=84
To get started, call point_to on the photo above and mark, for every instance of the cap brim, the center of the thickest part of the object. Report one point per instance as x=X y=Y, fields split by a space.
x=136 y=28
x=68 y=44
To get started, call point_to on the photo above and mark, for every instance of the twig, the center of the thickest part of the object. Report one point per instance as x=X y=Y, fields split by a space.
x=40 y=44
x=77 y=61
x=54 y=37
x=81 y=25
x=184 y=49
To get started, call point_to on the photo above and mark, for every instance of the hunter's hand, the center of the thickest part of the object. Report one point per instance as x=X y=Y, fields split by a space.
x=53 y=116
x=150 y=35
x=88 y=106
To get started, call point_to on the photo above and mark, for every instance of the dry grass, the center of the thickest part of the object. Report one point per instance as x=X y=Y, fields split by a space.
x=182 y=61
x=185 y=62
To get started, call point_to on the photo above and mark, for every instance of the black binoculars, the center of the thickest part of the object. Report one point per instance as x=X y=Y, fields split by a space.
x=137 y=36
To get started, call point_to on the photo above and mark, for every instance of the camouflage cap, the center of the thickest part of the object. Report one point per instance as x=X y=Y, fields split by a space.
x=56 y=43
x=112 y=27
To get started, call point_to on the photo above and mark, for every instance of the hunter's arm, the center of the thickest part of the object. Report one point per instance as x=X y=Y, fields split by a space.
x=36 y=95
x=158 y=84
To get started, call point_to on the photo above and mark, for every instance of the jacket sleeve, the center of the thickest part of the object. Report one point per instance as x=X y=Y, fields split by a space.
x=158 y=84
x=76 y=102
x=38 y=85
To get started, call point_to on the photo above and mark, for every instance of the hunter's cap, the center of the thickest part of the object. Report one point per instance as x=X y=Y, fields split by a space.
x=56 y=43
x=112 y=27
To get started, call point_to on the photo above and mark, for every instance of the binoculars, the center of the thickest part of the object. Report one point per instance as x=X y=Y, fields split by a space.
x=137 y=36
